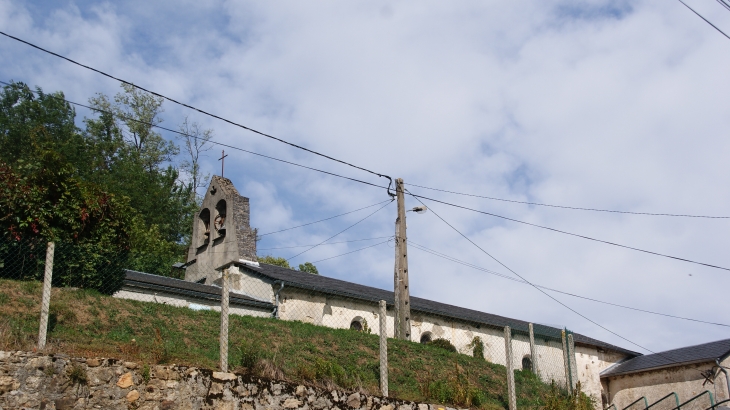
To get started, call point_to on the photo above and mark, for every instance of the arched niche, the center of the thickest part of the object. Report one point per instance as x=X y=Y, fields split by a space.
x=527 y=362
x=426 y=337
x=203 y=227
x=357 y=324
x=219 y=223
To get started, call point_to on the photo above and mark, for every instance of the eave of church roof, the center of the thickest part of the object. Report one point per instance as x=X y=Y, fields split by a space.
x=706 y=352
x=134 y=279
x=303 y=280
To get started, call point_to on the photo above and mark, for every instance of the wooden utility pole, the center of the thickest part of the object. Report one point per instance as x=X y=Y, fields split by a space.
x=402 y=293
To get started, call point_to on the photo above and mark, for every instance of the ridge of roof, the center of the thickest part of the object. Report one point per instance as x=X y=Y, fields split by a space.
x=340 y=287
x=681 y=356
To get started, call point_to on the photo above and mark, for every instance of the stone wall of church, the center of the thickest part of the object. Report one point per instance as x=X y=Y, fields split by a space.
x=211 y=247
x=245 y=236
x=686 y=381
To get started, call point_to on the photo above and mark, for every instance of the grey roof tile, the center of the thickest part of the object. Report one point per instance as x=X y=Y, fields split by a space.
x=134 y=279
x=349 y=289
x=684 y=355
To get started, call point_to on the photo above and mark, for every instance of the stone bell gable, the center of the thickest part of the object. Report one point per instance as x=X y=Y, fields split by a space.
x=221 y=232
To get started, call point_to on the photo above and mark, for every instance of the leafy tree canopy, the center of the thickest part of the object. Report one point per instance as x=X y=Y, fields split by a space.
x=110 y=186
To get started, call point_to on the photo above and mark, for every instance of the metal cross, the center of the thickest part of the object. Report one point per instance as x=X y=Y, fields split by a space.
x=222 y=160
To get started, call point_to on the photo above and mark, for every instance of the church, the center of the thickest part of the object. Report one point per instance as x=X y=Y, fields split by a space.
x=223 y=239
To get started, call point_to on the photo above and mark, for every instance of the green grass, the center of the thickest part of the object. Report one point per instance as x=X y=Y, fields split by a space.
x=86 y=323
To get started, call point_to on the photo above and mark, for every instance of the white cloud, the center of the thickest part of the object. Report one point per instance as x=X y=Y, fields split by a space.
x=587 y=105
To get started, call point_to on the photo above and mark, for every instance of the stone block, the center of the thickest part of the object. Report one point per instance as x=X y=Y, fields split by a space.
x=353 y=400
x=291 y=403
x=132 y=396
x=93 y=362
x=7 y=384
x=125 y=381
x=224 y=377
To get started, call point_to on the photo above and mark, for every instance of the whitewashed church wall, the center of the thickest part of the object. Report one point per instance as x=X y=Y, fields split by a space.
x=249 y=285
x=330 y=311
x=550 y=362
x=590 y=363
x=192 y=303
x=520 y=350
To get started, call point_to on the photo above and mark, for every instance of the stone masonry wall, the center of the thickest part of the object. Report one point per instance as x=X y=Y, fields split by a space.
x=48 y=382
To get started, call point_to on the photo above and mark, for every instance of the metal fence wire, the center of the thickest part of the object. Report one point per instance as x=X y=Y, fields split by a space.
x=272 y=293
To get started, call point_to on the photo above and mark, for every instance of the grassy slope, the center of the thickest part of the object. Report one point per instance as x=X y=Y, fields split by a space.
x=84 y=323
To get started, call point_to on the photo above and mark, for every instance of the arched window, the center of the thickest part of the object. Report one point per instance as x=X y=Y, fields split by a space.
x=203 y=227
x=220 y=218
x=426 y=337
x=356 y=324
x=527 y=363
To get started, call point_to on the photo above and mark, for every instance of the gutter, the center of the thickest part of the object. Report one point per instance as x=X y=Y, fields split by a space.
x=275 y=312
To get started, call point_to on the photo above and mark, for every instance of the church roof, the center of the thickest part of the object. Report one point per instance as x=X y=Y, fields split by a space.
x=325 y=284
x=706 y=352
x=146 y=281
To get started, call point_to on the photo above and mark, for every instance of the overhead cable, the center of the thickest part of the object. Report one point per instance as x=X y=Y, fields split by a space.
x=706 y=21
x=512 y=278
x=571 y=207
x=326 y=219
x=199 y=110
x=210 y=140
x=329 y=243
x=568 y=233
x=530 y=283
x=347 y=253
x=333 y=236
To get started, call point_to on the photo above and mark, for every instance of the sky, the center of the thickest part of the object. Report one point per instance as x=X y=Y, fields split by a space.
x=616 y=105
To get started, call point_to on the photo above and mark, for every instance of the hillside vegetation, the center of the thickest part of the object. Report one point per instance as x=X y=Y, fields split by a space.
x=86 y=323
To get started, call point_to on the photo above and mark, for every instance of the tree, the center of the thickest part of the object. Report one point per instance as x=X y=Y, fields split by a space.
x=196 y=141
x=279 y=261
x=309 y=268
x=42 y=200
x=274 y=260
x=30 y=119
x=131 y=158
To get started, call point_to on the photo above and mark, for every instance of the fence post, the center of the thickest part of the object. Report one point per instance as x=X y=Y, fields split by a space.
x=383 y=349
x=224 y=322
x=533 y=351
x=510 y=369
x=566 y=363
x=571 y=361
x=46 y=297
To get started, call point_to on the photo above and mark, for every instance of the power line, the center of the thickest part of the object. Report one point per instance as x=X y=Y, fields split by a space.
x=501 y=275
x=322 y=220
x=672 y=361
x=211 y=140
x=330 y=243
x=568 y=233
x=724 y=4
x=572 y=207
x=706 y=21
x=333 y=236
x=347 y=253
x=530 y=283
x=198 y=109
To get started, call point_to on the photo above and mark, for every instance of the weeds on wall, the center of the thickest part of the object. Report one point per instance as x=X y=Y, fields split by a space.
x=477 y=346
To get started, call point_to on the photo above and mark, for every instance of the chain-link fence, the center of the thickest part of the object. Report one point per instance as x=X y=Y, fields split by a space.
x=282 y=322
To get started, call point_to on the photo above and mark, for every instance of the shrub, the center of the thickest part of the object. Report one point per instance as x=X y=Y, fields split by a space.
x=443 y=344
